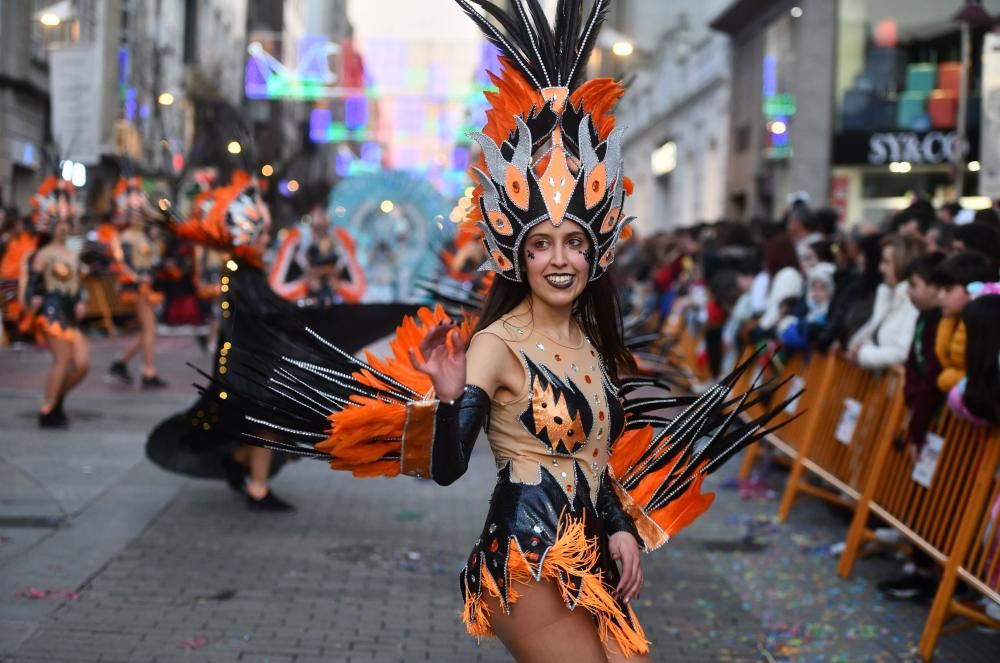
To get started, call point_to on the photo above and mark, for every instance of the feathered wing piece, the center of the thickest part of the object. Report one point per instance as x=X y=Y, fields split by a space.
x=658 y=465
x=348 y=411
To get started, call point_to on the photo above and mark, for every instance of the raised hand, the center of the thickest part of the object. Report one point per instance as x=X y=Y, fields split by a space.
x=443 y=361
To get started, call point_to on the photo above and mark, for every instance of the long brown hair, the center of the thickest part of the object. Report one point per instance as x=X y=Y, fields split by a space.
x=597 y=310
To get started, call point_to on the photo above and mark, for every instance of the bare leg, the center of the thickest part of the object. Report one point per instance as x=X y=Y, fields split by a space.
x=133 y=347
x=615 y=655
x=541 y=629
x=147 y=334
x=80 y=364
x=61 y=357
x=259 y=460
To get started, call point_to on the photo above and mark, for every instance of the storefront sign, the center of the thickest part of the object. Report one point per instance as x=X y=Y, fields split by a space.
x=931 y=147
x=989 y=174
x=886 y=147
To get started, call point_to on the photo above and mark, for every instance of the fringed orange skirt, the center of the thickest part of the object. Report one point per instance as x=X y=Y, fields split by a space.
x=574 y=555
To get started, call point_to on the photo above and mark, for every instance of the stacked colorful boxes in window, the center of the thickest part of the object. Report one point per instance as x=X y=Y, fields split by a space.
x=943 y=103
x=911 y=112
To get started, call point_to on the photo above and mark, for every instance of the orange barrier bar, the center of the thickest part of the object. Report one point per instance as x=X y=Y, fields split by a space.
x=854 y=410
x=799 y=373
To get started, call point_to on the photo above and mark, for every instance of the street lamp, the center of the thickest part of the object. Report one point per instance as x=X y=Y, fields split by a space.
x=165 y=99
x=234 y=147
x=622 y=48
x=267 y=170
x=49 y=19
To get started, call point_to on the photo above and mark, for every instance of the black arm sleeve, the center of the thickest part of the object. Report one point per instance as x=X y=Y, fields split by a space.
x=610 y=510
x=456 y=428
x=33 y=287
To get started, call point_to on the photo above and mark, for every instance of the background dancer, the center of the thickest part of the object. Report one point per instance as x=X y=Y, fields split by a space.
x=54 y=296
x=141 y=258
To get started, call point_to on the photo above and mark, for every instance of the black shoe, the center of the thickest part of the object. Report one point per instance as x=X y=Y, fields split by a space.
x=154 y=382
x=235 y=474
x=910 y=587
x=59 y=412
x=119 y=369
x=52 y=420
x=269 y=502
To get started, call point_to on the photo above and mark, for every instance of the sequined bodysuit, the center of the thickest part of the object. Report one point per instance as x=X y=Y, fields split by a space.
x=551 y=445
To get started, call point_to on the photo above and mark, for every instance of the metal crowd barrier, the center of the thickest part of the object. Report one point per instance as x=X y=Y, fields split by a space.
x=850 y=436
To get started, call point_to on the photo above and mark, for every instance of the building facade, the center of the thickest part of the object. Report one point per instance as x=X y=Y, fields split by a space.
x=675 y=109
x=849 y=103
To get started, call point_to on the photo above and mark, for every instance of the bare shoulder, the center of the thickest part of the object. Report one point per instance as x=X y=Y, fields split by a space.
x=491 y=365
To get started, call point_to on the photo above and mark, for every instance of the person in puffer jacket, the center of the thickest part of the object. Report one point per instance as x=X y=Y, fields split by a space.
x=951 y=278
x=885 y=339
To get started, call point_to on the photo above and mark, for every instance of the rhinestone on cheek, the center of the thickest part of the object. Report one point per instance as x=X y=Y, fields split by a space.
x=539 y=346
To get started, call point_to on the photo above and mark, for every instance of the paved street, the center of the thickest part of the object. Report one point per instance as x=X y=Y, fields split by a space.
x=145 y=566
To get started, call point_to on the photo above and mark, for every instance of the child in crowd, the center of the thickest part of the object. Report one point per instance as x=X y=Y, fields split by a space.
x=952 y=277
x=921 y=391
x=802 y=325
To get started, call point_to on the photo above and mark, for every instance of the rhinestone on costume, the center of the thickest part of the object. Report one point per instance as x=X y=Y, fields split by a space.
x=521 y=332
x=593 y=466
x=586 y=378
x=558 y=358
x=595 y=453
x=563 y=474
x=493 y=528
x=575 y=368
x=600 y=415
x=555 y=463
x=539 y=346
x=569 y=488
x=538 y=529
x=600 y=432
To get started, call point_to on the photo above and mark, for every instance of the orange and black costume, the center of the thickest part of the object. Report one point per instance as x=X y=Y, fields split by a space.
x=579 y=458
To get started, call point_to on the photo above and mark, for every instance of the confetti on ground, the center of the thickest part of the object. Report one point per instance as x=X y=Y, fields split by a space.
x=37 y=593
x=193 y=644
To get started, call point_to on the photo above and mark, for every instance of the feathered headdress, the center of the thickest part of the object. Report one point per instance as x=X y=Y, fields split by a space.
x=230 y=218
x=550 y=150
x=54 y=201
x=128 y=195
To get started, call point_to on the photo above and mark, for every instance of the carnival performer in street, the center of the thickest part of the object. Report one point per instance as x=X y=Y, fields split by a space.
x=587 y=477
x=315 y=264
x=54 y=296
x=234 y=220
x=141 y=258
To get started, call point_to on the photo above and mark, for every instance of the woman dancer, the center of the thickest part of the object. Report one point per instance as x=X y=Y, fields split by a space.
x=55 y=297
x=234 y=220
x=584 y=480
x=140 y=260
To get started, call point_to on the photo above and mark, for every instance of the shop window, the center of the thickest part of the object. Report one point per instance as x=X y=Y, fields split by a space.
x=898 y=66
